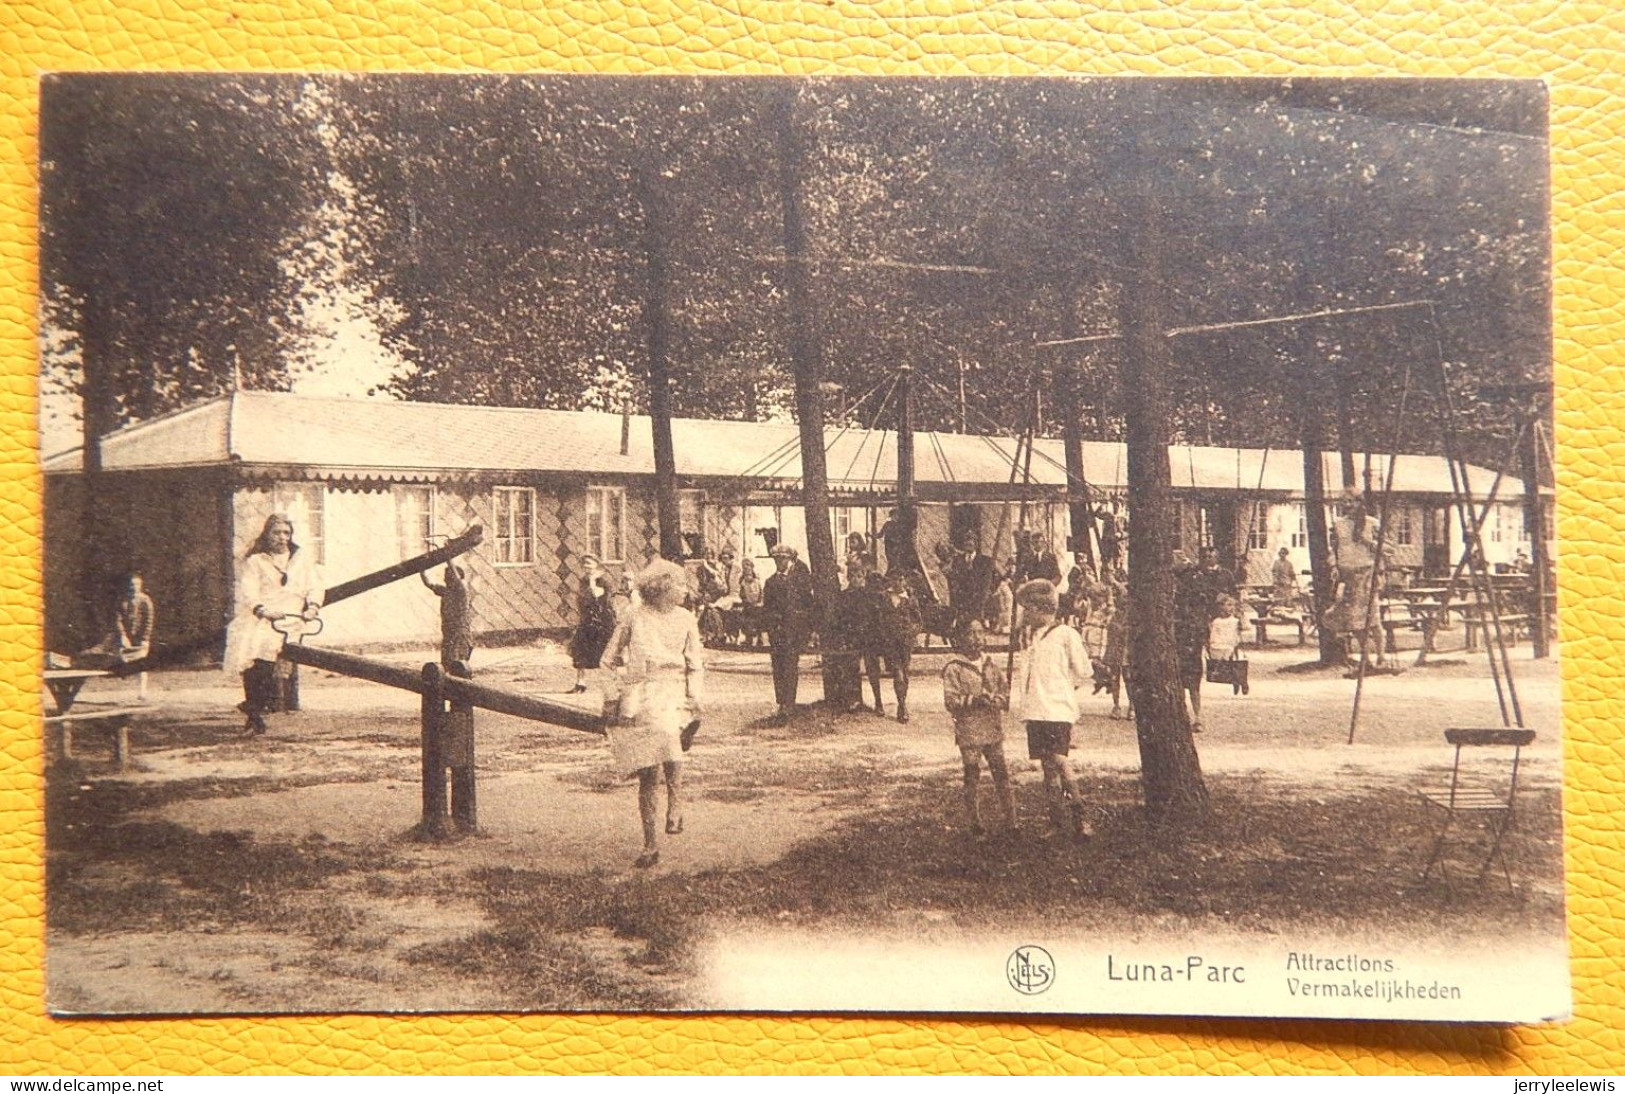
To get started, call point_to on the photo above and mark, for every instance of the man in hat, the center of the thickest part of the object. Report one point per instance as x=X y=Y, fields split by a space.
x=789 y=615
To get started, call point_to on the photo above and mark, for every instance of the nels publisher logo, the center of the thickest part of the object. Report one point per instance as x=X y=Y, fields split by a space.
x=1030 y=970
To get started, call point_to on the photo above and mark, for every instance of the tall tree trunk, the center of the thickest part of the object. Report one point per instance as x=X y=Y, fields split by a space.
x=1170 y=770
x=1077 y=487
x=1314 y=488
x=655 y=318
x=99 y=414
x=840 y=676
x=1345 y=426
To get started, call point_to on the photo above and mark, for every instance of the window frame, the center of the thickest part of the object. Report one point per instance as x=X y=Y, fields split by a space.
x=428 y=493
x=1258 y=526
x=498 y=539
x=1404 y=526
x=1204 y=527
x=313 y=536
x=596 y=539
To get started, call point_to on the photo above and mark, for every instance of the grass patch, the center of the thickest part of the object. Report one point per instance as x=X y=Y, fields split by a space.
x=105 y=872
x=1267 y=859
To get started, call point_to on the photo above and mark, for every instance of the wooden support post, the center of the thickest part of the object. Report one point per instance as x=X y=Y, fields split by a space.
x=121 y=743
x=458 y=753
x=434 y=822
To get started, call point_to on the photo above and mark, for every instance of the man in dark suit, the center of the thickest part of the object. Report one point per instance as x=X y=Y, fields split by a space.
x=789 y=613
x=971 y=578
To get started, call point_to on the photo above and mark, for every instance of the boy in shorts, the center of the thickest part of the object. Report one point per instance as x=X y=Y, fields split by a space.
x=1044 y=695
x=973 y=690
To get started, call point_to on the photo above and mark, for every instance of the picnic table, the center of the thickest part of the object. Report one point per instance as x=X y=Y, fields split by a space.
x=110 y=717
x=65 y=685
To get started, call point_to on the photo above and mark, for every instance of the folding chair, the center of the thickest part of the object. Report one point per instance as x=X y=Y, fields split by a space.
x=1493 y=800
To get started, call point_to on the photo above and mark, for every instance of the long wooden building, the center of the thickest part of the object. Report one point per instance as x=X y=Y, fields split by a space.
x=368 y=482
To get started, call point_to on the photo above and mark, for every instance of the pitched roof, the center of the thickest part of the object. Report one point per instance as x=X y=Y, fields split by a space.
x=382 y=438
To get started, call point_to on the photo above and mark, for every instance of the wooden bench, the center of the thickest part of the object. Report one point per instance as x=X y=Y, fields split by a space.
x=1262 y=623
x=1390 y=626
x=115 y=721
x=1511 y=626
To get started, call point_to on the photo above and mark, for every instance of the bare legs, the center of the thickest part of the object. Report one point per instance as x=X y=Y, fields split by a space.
x=648 y=802
x=899 y=668
x=871 y=669
x=972 y=758
x=1061 y=789
x=1117 y=688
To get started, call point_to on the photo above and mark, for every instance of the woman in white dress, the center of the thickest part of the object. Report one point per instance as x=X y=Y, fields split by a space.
x=662 y=671
x=277 y=583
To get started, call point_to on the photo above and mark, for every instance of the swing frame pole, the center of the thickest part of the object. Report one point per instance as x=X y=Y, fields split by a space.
x=1029 y=437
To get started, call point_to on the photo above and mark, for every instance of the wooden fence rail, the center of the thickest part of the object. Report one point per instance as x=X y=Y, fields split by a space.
x=449 y=702
x=454 y=688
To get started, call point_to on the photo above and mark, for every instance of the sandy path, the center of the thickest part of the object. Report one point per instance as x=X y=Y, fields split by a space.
x=548 y=802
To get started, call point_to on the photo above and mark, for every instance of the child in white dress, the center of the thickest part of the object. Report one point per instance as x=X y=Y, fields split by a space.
x=662 y=671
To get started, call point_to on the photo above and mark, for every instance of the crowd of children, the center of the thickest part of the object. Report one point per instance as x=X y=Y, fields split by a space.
x=1065 y=644
x=1070 y=644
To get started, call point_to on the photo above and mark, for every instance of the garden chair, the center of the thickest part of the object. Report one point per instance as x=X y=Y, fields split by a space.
x=1485 y=788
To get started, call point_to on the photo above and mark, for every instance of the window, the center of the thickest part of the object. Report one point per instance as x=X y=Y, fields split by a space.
x=516 y=525
x=1179 y=525
x=1204 y=526
x=303 y=504
x=1494 y=522
x=840 y=526
x=1300 y=538
x=414 y=519
x=1404 y=532
x=1258 y=527
x=606 y=523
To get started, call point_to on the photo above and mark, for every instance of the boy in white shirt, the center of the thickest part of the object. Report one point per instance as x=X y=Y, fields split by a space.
x=1044 y=696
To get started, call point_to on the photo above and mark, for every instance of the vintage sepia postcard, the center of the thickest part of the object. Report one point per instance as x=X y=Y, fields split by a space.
x=1073 y=546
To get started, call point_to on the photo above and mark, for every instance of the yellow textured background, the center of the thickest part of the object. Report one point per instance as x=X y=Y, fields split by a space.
x=1578 y=47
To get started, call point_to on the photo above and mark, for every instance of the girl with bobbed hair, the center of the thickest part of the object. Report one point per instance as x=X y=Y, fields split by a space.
x=660 y=653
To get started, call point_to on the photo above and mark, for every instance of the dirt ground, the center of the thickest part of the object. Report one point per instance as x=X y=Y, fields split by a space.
x=228 y=874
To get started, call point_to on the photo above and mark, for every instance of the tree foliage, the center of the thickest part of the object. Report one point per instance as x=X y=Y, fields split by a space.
x=174 y=214
x=495 y=233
